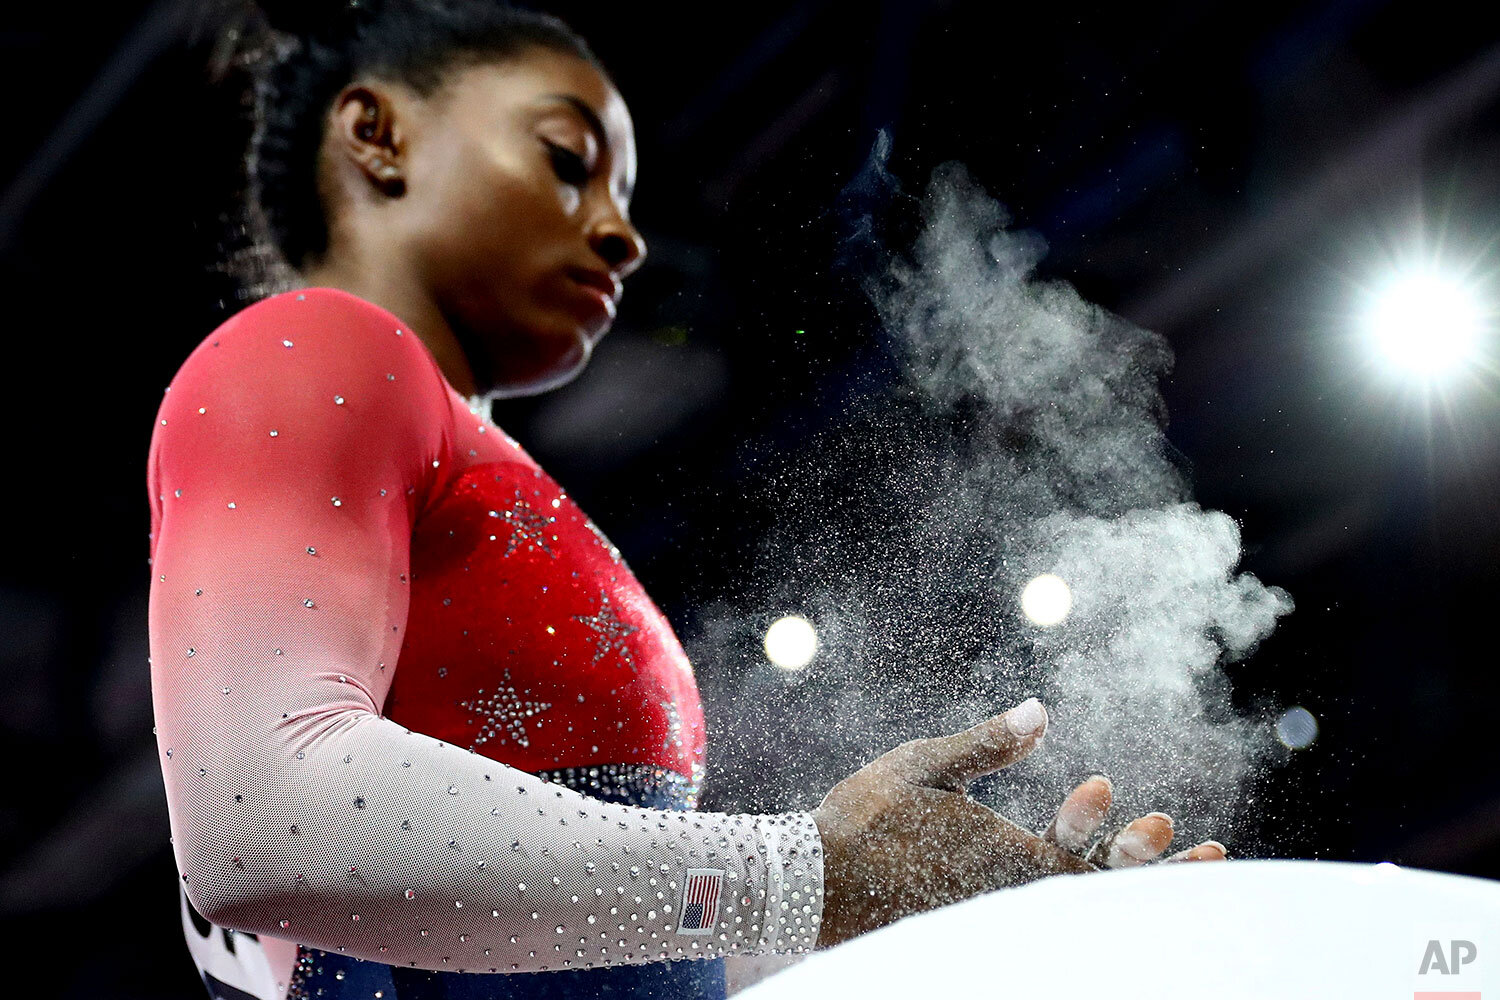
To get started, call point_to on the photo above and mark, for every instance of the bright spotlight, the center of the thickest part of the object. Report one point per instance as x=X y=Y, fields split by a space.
x=1425 y=324
x=1046 y=600
x=1297 y=728
x=791 y=642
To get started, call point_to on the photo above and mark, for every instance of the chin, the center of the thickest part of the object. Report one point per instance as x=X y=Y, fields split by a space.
x=553 y=375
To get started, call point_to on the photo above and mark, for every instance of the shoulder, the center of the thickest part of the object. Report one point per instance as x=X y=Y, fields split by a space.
x=311 y=340
x=297 y=357
x=332 y=307
x=329 y=324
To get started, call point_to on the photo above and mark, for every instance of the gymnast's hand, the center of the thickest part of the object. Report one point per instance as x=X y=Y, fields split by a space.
x=901 y=834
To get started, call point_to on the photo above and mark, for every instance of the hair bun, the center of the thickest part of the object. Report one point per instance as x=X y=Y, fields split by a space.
x=246 y=34
x=316 y=18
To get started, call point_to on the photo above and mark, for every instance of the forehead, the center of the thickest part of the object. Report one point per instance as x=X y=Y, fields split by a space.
x=524 y=84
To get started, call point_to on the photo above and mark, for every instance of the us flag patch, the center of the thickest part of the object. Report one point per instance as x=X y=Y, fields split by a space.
x=700 y=901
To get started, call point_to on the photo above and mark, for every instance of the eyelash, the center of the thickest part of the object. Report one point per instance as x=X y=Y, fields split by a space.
x=569 y=166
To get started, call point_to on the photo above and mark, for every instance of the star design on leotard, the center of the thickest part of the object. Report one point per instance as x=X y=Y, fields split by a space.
x=609 y=633
x=503 y=715
x=528 y=526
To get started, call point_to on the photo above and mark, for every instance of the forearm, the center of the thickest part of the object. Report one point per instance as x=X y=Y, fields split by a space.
x=351 y=833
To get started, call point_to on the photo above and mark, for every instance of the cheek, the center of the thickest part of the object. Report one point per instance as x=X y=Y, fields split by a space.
x=485 y=221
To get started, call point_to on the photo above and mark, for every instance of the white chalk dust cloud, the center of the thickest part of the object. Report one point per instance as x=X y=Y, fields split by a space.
x=1022 y=436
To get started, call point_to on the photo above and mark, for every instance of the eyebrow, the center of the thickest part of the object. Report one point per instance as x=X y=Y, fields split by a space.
x=595 y=125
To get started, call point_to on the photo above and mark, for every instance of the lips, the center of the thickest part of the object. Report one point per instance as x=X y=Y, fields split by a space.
x=601 y=280
x=596 y=302
x=597 y=288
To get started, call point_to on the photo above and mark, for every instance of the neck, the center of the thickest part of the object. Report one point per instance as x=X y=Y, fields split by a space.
x=393 y=287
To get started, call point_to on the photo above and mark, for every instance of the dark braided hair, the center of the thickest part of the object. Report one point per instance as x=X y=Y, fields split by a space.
x=298 y=55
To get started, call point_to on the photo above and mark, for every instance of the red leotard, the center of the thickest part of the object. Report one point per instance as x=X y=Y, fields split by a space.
x=326 y=508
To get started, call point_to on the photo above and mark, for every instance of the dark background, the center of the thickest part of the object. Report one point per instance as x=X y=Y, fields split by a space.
x=1228 y=175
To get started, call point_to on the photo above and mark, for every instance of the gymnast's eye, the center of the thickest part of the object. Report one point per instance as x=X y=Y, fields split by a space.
x=569 y=165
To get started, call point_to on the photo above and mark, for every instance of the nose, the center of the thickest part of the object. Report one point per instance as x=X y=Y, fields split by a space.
x=616 y=241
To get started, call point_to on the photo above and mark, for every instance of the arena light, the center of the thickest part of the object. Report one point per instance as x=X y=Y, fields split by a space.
x=1425 y=324
x=791 y=642
x=1297 y=728
x=1046 y=600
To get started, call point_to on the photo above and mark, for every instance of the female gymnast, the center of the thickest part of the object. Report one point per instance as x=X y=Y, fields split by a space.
x=418 y=722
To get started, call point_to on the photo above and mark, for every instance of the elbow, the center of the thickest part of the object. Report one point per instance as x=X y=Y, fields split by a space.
x=222 y=901
x=242 y=904
x=220 y=884
x=208 y=901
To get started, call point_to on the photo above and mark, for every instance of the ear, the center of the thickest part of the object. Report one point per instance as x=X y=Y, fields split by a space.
x=370 y=136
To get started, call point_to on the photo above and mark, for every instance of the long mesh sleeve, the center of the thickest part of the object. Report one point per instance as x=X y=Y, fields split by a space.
x=289 y=462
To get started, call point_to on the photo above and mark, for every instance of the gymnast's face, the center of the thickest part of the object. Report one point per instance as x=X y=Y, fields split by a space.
x=516 y=179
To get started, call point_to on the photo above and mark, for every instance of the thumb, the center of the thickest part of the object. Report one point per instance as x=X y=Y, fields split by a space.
x=953 y=761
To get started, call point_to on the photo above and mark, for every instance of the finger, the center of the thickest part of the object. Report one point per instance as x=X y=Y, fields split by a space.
x=1081 y=814
x=1018 y=855
x=978 y=850
x=953 y=761
x=1139 y=842
x=1209 y=850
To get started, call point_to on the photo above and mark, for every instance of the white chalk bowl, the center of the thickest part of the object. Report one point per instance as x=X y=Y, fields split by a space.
x=1217 y=931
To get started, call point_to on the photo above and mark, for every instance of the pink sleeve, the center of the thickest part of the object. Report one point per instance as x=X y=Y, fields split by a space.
x=290 y=459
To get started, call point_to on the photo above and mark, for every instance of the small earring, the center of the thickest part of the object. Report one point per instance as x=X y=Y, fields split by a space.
x=390 y=181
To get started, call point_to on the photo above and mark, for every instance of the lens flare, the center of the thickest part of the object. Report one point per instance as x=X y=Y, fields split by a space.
x=1297 y=728
x=791 y=642
x=1046 y=600
x=1425 y=324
